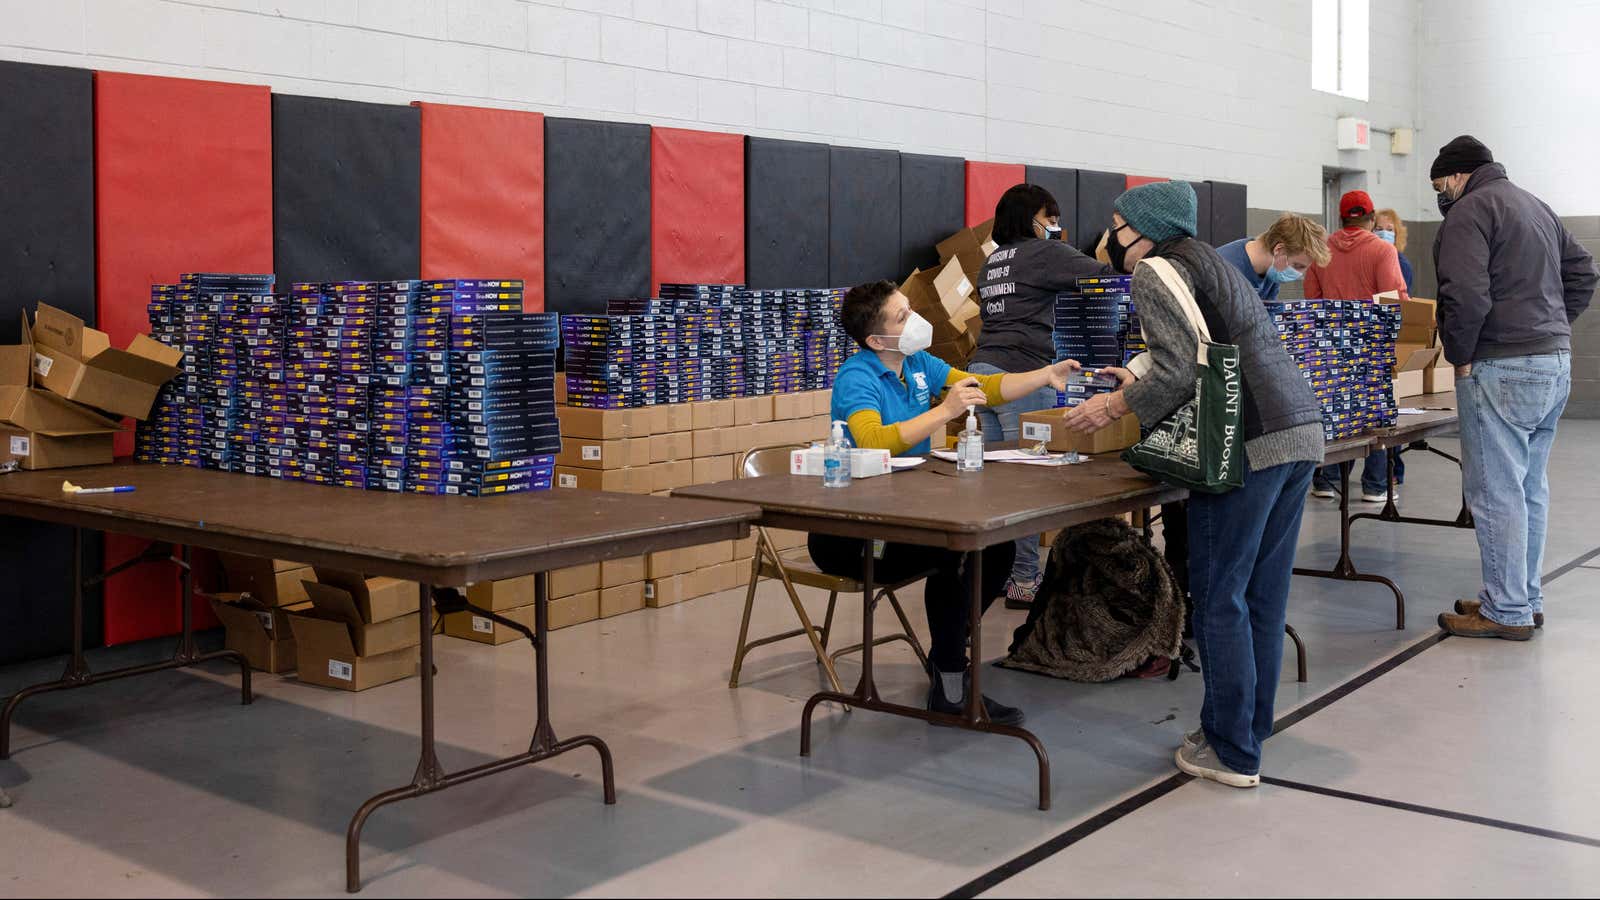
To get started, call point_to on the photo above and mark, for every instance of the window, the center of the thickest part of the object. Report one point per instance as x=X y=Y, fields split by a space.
x=1340 y=34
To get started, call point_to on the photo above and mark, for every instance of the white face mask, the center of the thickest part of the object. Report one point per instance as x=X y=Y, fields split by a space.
x=916 y=337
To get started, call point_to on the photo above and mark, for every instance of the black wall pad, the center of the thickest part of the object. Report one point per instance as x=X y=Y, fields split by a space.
x=1097 y=191
x=596 y=214
x=933 y=206
x=1228 y=202
x=1062 y=185
x=863 y=216
x=346 y=190
x=1202 y=196
x=46 y=192
x=47 y=252
x=786 y=214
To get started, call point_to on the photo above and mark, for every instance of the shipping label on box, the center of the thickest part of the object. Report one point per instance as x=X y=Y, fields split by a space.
x=326 y=656
x=1048 y=426
x=661 y=592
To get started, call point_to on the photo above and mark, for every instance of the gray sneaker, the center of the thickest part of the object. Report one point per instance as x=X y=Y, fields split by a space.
x=1195 y=738
x=1202 y=762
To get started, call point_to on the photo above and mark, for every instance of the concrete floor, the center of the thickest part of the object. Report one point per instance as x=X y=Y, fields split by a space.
x=164 y=785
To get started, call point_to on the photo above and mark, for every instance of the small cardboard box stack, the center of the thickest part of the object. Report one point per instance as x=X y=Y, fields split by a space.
x=359 y=633
x=1417 y=352
x=945 y=297
x=268 y=582
x=255 y=609
x=604 y=449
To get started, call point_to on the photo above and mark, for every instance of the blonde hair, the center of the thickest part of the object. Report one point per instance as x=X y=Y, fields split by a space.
x=1298 y=234
x=1399 y=228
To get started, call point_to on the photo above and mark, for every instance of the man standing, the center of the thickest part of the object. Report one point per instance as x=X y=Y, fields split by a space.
x=1362 y=266
x=1511 y=283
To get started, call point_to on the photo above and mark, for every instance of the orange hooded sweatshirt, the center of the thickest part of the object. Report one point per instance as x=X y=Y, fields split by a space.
x=1363 y=264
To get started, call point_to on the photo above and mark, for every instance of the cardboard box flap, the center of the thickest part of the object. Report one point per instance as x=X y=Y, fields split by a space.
x=146 y=359
x=334 y=603
x=16 y=365
x=237 y=618
x=1414 y=357
x=314 y=630
x=46 y=413
x=61 y=330
x=953 y=287
x=923 y=294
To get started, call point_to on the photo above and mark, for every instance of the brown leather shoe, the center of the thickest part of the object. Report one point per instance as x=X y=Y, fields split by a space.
x=1475 y=625
x=1471 y=607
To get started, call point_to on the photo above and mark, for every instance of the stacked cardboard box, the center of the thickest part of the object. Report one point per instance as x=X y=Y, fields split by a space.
x=255 y=608
x=1346 y=350
x=359 y=632
x=1420 y=366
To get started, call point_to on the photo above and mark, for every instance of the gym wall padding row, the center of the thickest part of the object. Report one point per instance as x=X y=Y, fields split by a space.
x=1228 y=211
x=863 y=215
x=697 y=230
x=46 y=251
x=596 y=213
x=932 y=206
x=985 y=183
x=1062 y=185
x=786 y=213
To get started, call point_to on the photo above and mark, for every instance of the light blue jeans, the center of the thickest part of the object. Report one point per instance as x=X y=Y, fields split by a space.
x=1003 y=424
x=1509 y=409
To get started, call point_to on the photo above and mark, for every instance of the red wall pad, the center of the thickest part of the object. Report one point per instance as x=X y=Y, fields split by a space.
x=1136 y=180
x=696 y=207
x=483 y=195
x=985 y=183
x=183 y=183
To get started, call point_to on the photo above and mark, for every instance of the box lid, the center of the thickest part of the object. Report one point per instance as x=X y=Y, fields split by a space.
x=953 y=287
x=145 y=359
x=334 y=604
x=1414 y=357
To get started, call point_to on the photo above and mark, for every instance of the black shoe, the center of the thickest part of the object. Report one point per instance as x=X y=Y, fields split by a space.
x=999 y=713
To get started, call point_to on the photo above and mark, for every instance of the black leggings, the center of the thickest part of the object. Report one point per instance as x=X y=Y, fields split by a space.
x=945 y=595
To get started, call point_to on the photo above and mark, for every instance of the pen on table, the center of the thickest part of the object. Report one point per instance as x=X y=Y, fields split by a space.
x=70 y=488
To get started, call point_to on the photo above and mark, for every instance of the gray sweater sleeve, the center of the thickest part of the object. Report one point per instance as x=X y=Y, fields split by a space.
x=1170 y=382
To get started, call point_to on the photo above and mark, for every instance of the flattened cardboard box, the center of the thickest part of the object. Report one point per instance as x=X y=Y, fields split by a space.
x=625 y=598
x=263 y=635
x=326 y=656
x=79 y=363
x=368 y=638
x=376 y=599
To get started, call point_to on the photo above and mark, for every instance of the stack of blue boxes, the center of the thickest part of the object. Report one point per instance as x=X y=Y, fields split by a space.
x=1095 y=325
x=1346 y=351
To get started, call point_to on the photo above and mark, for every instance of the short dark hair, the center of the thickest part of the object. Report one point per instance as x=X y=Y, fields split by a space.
x=1013 y=215
x=1365 y=221
x=863 y=309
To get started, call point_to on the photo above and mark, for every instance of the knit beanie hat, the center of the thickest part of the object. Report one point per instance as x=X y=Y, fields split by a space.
x=1464 y=154
x=1161 y=210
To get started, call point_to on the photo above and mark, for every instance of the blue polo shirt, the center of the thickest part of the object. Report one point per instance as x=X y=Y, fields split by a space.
x=1266 y=288
x=864 y=383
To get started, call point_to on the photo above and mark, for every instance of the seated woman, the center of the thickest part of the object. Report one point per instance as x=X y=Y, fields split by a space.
x=886 y=393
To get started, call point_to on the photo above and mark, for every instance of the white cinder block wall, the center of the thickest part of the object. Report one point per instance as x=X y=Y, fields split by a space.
x=1192 y=89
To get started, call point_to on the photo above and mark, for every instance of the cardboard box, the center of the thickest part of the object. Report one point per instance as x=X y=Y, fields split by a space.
x=1441 y=378
x=47 y=431
x=744 y=410
x=955 y=289
x=671 y=418
x=561 y=390
x=744 y=548
x=822 y=403
x=1410 y=384
x=376 y=599
x=587 y=453
x=625 y=598
x=603 y=424
x=701 y=583
x=511 y=593
x=370 y=638
x=666 y=563
x=660 y=592
x=668 y=476
x=763 y=408
x=1414 y=361
x=575 y=580
x=270 y=582
x=262 y=634
x=470 y=627
x=790 y=406
x=958 y=350
x=627 y=481
x=1046 y=425
x=712 y=414
x=614 y=572
x=574 y=610
x=971 y=246
x=742 y=438
x=78 y=363
x=729 y=575
x=671 y=446
x=712 y=469
x=42 y=450
x=715 y=442
x=326 y=655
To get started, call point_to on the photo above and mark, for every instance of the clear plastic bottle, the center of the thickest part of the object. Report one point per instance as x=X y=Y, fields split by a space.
x=836 y=459
x=969 y=446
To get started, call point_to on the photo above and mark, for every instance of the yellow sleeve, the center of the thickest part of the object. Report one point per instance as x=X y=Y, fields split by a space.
x=869 y=432
x=989 y=383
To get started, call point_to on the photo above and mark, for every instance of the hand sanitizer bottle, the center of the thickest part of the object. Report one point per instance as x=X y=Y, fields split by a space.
x=836 y=459
x=969 y=446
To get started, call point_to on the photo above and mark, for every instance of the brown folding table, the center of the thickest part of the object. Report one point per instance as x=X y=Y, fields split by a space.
x=935 y=506
x=439 y=541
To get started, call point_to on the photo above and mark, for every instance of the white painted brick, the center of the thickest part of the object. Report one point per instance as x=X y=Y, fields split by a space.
x=561 y=32
x=880 y=43
x=336 y=12
x=676 y=13
x=235 y=5
x=439 y=67
x=952 y=20
x=667 y=96
x=349 y=55
x=726 y=103
x=527 y=78
x=498 y=23
x=730 y=18
x=622 y=8
x=835 y=34
x=147 y=29
x=835 y=116
x=628 y=43
x=692 y=53
x=777 y=23
x=422 y=18
x=783 y=110
x=600 y=86
x=754 y=63
x=50 y=26
x=909 y=14
x=807 y=71
x=870 y=10
x=253 y=43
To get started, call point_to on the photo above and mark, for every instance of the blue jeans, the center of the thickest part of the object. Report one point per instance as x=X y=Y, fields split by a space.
x=1241 y=554
x=1374 y=474
x=1002 y=424
x=1509 y=409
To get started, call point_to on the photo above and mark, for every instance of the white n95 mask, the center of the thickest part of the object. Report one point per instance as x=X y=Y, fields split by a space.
x=917 y=336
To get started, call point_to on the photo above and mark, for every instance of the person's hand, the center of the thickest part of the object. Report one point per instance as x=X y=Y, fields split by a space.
x=1464 y=371
x=1059 y=372
x=1123 y=376
x=961 y=395
x=1094 y=414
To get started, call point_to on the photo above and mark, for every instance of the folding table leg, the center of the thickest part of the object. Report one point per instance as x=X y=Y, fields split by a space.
x=1345 y=568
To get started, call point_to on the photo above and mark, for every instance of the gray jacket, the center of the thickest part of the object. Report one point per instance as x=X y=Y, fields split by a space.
x=1511 y=278
x=1281 y=417
x=1017 y=295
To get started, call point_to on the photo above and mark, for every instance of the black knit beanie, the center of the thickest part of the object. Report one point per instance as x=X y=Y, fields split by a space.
x=1464 y=154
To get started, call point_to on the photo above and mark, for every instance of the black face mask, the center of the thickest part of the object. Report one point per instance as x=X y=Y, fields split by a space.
x=1117 y=252
x=1445 y=201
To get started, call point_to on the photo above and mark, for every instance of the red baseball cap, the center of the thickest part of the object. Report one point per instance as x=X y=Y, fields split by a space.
x=1355 y=204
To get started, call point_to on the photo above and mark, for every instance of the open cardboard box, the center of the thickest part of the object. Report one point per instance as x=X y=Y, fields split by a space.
x=325 y=655
x=79 y=363
x=1046 y=425
x=262 y=634
x=41 y=430
x=1440 y=378
x=375 y=599
x=269 y=582
x=368 y=638
x=1412 y=364
x=970 y=246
